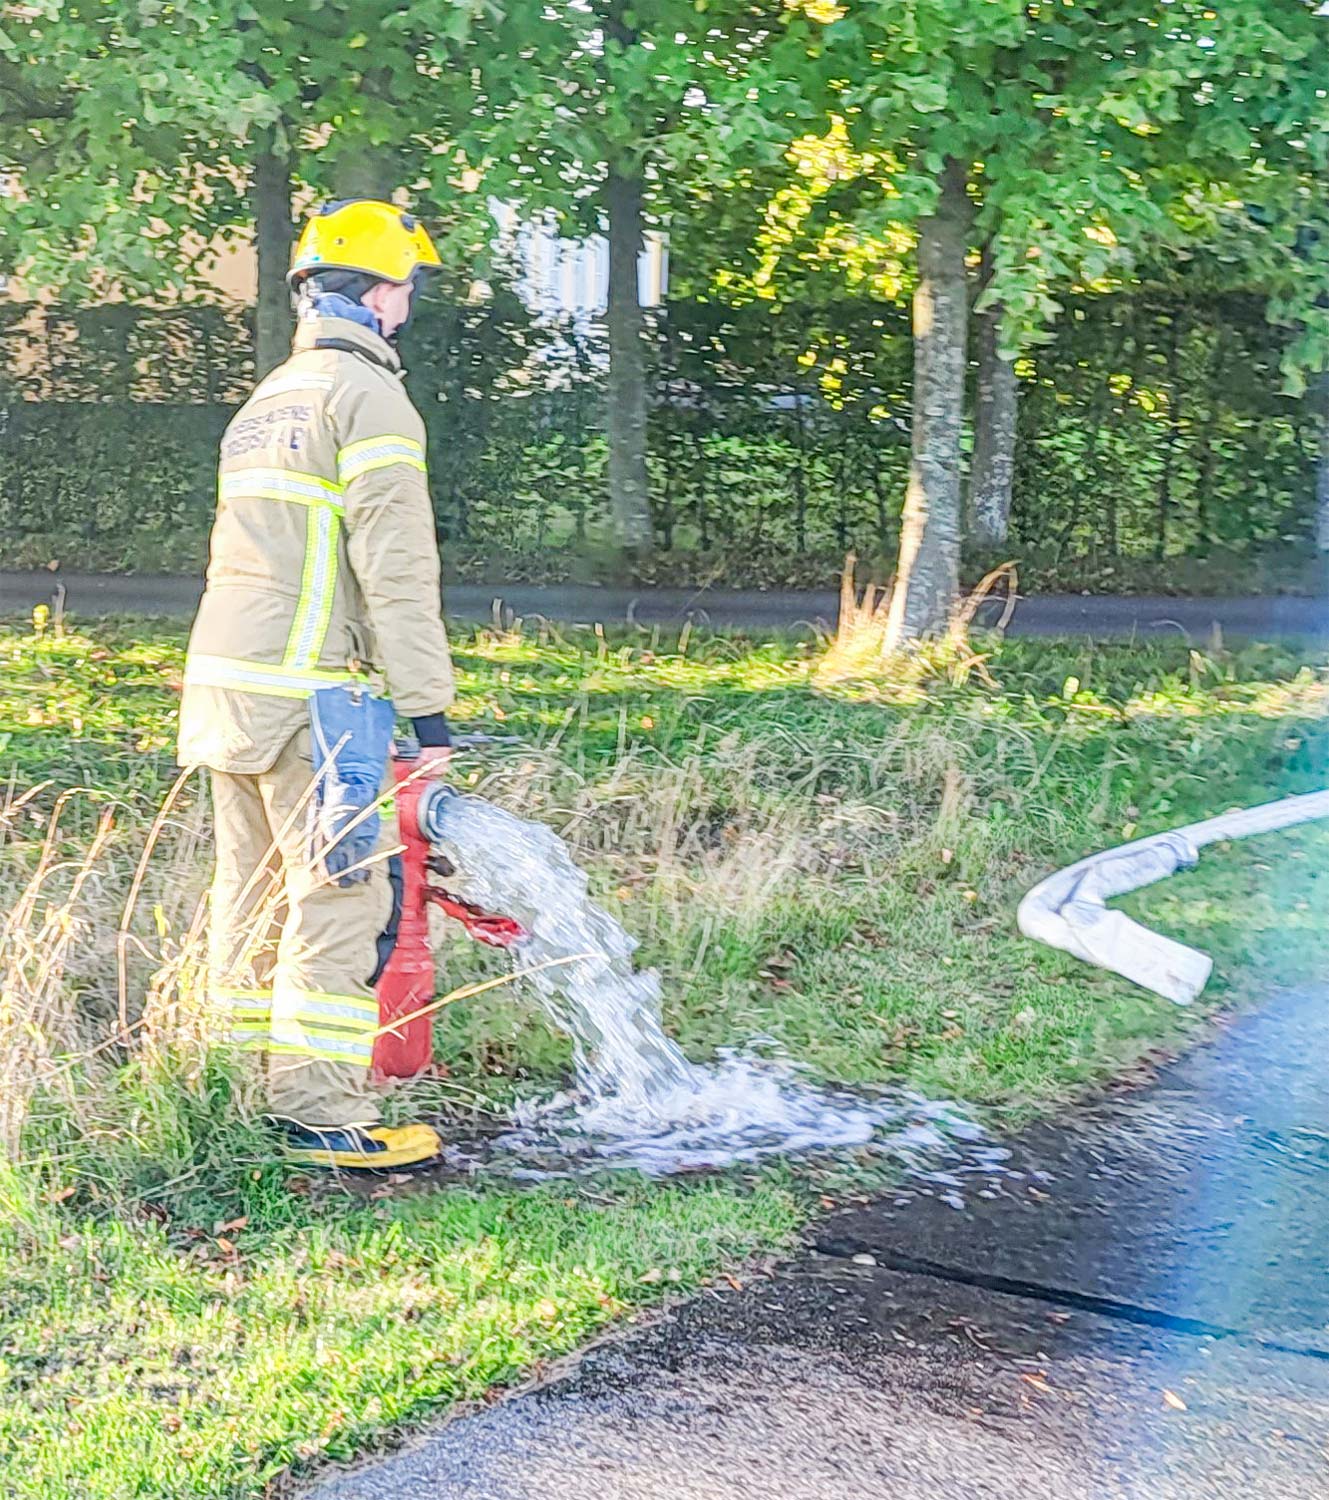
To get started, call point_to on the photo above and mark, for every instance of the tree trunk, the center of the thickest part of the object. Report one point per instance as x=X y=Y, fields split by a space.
x=1322 y=475
x=360 y=167
x=625 y=414
x=927 y=578
x=365 y=171
x=996 y=419
x=274 y=233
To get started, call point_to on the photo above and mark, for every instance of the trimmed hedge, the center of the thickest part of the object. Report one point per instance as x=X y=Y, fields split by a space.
x=1153 y=431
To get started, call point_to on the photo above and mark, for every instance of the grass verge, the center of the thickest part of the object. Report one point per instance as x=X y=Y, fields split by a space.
x=835 y=868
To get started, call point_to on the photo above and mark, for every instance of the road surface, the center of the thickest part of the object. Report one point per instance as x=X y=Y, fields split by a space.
x=1103 y=617
x=1137 y=1307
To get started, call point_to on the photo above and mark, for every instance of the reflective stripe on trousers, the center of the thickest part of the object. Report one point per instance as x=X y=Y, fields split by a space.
x=332 y=1028
x=317 y=1040
x=246 y=1014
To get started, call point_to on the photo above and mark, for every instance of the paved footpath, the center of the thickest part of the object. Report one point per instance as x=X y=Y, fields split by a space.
x=1137 y=1308
x=1105 y=617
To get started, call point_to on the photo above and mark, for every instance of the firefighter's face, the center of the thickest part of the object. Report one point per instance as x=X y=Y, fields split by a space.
x=390 y=303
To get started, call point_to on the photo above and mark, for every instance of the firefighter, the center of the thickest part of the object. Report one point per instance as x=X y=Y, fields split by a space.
x=323 y=575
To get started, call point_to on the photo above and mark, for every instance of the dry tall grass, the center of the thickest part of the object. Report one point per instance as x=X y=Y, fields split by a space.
x=860 y=649
x=100 y=951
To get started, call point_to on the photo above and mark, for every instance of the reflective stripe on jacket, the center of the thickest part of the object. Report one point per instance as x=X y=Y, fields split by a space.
x=323 y=561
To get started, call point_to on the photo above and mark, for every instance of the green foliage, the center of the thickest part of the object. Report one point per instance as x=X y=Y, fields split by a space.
x=131 y=486
x=566 y=94
x=120 y=130
x=134 y=127
x=116 y=353
x=1091 y=135
x=1102 y=147
x=1152 y=428
x=1156 y=427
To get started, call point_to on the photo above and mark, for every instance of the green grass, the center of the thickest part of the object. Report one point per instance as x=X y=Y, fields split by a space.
x=835 y=868
x=151 y=1367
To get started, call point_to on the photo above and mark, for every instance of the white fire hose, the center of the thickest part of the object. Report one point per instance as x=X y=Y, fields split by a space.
x=1069 y=910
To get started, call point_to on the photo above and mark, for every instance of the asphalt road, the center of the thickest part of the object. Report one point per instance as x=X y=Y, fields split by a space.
x=1136 y=1307
x=1105 y=617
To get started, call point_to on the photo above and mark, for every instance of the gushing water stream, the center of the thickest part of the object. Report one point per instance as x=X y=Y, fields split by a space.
x=638 y=1100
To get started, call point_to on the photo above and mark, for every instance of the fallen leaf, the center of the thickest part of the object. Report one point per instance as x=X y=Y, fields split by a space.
x=227 y=1247
x=233 y=1224
x=649 y=1278
x=1038 y=1383
x=60 y=1195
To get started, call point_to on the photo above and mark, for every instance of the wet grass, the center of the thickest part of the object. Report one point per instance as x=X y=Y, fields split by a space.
x=833 y=867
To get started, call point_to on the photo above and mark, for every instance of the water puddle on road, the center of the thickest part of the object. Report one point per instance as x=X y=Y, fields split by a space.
x=638 y=1101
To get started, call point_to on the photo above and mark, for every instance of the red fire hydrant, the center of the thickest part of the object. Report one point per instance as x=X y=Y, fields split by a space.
x=407 y=984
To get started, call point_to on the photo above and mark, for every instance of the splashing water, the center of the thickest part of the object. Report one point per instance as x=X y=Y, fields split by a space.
x=638 y=1100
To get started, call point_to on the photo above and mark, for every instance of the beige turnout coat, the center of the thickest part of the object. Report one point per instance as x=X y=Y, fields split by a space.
x=323 y=561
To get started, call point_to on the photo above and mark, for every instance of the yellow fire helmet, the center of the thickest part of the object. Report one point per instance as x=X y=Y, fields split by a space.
x=362 y=234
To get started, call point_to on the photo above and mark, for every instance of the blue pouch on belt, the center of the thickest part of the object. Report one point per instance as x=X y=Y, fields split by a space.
x=351 y=733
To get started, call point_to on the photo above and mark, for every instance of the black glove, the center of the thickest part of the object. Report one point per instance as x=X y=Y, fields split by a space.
x=433 y=732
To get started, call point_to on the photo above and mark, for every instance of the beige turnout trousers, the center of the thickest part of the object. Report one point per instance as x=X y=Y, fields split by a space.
x=291 y=952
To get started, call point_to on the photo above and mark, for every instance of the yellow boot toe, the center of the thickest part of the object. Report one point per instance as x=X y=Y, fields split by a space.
x=378 y=1148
